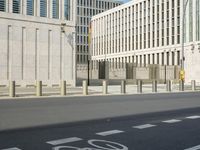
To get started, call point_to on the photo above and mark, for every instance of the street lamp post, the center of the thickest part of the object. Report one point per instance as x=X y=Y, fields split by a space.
x=183 y=35
x=72 y=39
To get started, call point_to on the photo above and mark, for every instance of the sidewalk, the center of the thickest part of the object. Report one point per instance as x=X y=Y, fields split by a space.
x=92 y=90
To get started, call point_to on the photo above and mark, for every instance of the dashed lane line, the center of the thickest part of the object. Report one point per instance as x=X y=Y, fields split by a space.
x=64 y=141
x=13 y=148
x=193 y=117
x=144 y=126
x=111 y=132
x=194 y=148
x=171 y=121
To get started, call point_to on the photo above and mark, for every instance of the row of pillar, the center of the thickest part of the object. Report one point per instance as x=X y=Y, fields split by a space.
x=38 y=88
x=12 y=87
x=36 y=6
x=140 y=86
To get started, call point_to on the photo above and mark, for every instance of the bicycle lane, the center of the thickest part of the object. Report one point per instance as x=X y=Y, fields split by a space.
x=165 y=132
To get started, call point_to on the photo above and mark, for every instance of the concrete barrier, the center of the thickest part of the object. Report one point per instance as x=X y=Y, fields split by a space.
x=169 y=86
x=154 y=86
x=38 y=88
x=193 y=83
x=12 y=91
x=139 y=86
x=181 y=85
x=105 y=87
x=63 y=88
x=123 y=87
x=85 y=87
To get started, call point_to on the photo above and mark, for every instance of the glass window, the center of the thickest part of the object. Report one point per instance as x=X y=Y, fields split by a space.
x=43 y=8
x=67 y=9
x=2 y=5
x=30 y=7
x=55 y=9
x=16 y=6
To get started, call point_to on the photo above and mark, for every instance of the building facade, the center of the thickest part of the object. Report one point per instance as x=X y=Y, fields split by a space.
x=37 y=41
x=85 y=10
x=149 y=32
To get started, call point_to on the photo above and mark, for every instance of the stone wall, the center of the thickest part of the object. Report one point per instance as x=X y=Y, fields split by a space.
x=34 y=48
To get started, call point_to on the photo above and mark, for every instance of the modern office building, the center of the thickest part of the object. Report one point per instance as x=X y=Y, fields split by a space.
x=37 y=41
x=149 y=32
x=85 y=10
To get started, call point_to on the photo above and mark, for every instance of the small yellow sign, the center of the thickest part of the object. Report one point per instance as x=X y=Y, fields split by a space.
x=182 y=75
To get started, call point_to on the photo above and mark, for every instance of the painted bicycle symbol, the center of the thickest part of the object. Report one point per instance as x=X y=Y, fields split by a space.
x=95 y=145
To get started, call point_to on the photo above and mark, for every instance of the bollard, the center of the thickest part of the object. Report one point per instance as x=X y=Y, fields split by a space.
x=85 y=87
x=63 y=88
x=139 y=86
x=123 y=87
x=105 y=87
x=154 y=86
x=181 y=85
x=169 y=86
x=12 y=89
x=193 y=85
x=38 y=88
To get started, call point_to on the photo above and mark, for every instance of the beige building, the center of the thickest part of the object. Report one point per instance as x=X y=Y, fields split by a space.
x=37 y=41
x=149 y=32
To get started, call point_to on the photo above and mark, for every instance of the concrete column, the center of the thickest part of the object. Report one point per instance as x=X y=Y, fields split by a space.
x=181 y=85
x=154 y=86
x=169 y=86
x=175 y=58
x=139 y=86
x=12 y=89
x=105 y=87
x=193 y=83
x=38 y=88
x=61 y=10
x=85 y=87
x=49 y=6
x=37 y=8
x=24 y=6
x=123 y=87
x=10 y=6
x=63 y=88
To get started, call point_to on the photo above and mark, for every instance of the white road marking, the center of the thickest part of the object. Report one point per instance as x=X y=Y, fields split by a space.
x=106 y=133
x=144 y=126
x=14 y=148
x=63 y=141
x=193 y=117
x=171 y=121
x=194 y=148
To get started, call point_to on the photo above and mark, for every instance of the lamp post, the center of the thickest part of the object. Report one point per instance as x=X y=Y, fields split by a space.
x=72 y=39
x=183 y=35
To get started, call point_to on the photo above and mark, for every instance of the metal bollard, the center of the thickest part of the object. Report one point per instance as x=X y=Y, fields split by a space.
x=12 y=89
x=154 y=86
x=63 y=88
x=139 y=86
x=169 y=86
x=181 y=85
x=105 y=87
x=123 y=87
x=38 y=88
x=193 y=82
x=85 y=87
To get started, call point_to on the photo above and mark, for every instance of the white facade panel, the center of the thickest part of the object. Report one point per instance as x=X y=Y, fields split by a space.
x=37 y=48
x=155 y=34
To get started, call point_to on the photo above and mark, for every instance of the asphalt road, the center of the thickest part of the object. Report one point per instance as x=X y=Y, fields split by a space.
x=33 y=112
x=171 y=130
